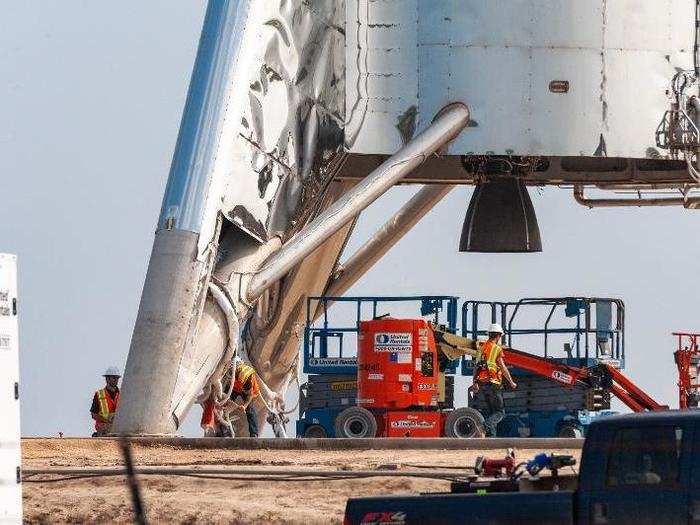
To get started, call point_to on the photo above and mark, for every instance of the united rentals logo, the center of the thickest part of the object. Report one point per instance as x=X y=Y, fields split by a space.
x=562 y=377
x=402 y=423
x=393 y=342
x=332 y=361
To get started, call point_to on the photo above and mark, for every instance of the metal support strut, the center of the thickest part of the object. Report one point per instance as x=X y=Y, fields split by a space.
x=386 y=237
x=446 y=126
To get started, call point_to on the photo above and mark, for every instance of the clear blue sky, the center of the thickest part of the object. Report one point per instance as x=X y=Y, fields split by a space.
x=91 y=95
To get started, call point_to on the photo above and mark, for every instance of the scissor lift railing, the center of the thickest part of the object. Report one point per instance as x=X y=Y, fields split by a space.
x=318 y=359
x=604 y=342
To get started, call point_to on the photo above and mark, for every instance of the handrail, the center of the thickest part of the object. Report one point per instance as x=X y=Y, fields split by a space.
x=447 y=304
x=582 y=331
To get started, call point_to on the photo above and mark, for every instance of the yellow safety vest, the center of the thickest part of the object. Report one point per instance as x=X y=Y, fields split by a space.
x=105 y=409
x=243 y=374
x=107 y=406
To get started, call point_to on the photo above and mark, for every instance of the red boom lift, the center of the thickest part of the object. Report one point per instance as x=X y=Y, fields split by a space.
x=398 y=382
x=600 y=375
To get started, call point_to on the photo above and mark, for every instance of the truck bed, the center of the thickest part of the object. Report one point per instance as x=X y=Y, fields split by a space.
x=541 y=508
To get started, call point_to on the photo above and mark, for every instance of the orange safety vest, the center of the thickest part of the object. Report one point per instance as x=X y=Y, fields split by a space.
x=108 y=406
x=208 y=418
x=244 y=373
x=490 y=372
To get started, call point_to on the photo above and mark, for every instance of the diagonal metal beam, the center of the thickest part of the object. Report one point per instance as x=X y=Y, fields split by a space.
x=446 y=126
x=386 y=237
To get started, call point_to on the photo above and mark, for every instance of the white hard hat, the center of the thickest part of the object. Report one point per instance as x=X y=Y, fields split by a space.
x=112 y=371
x=495 y=328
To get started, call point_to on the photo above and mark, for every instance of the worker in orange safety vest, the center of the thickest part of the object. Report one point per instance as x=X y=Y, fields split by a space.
x=243 y=392
x=105 y=402
x=489 y=372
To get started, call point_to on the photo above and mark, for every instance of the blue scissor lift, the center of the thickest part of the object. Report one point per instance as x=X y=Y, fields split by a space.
x=330 y=351
x=591 y=331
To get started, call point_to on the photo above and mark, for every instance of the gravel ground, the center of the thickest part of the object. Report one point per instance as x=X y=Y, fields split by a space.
x=193 y=500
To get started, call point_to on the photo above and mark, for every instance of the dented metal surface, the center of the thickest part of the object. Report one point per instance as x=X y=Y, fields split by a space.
x=501 y=56
x=292 y=123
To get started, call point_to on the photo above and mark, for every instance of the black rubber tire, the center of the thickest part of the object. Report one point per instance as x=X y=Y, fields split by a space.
x=570 y=431
x=315 y=431
x=464 y=423
x=355 y=422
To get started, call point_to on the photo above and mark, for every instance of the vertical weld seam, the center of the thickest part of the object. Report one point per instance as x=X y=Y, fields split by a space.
x=604 y=80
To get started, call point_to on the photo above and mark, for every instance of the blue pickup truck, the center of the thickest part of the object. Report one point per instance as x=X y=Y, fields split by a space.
x=635 y=469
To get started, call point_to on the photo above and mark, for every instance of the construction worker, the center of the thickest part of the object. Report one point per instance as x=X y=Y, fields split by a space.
x=245 y=390
x=488 y=377
x=105 y=402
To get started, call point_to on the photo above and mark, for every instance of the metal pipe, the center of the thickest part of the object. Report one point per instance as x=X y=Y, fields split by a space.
x=645 y=187
x=272 y=473
x=386 y=237
x=689 y=203
x=319 y=444
x=446 y=126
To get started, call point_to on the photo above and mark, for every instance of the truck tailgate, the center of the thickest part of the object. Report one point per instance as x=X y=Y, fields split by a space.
x=541 y=508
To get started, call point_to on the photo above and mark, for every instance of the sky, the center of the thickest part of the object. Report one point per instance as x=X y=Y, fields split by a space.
x=91 y=95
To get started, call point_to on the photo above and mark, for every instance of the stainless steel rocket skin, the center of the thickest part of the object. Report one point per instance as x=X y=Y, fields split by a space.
x=295 y=105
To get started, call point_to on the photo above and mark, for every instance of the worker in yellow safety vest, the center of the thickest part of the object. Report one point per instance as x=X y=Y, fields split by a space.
x=488 y=378
x=244 y=390
x=105 y=402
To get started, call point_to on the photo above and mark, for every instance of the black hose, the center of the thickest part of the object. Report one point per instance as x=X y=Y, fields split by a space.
x=137 y=502
x=223 y=477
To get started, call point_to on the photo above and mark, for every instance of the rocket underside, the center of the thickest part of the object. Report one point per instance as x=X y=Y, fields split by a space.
x=293 y=103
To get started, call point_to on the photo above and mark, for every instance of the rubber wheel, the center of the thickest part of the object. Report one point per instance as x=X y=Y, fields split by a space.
x=355 y=422
x=570 y=431
x=464 y=423
x=315 y=431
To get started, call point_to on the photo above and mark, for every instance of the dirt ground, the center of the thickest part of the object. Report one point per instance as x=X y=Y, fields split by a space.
x=170 y=499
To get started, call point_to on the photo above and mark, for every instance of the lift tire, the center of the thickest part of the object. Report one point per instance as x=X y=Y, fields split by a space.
x=570 y=431
x=355 y=422
x=464 y=423
x=315 y=431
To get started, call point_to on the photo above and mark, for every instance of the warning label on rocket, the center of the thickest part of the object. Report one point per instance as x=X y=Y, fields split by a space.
x=393 y=342
x=4 y=342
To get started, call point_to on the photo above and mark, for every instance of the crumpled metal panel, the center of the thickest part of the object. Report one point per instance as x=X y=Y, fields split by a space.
x=407 y=59
x=292 y=123
x=277 y=168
